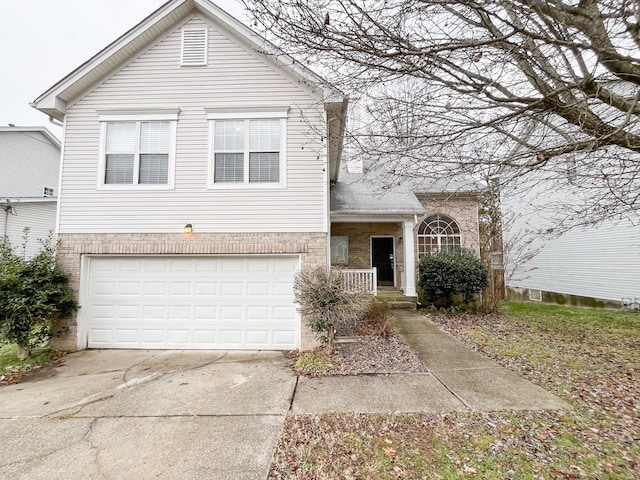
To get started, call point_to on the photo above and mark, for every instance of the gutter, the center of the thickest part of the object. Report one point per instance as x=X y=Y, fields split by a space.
x=12 y=200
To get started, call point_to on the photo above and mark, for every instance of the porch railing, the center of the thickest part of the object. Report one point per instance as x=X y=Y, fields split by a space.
x=362 y=280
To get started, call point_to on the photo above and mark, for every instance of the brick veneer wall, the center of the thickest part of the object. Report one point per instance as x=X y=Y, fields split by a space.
x=312 y=247
x=360 y=242
x=463 y=208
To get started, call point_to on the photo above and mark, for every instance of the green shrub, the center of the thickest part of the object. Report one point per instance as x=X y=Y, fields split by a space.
x=34 y=296
x=445 y=275
x=325 y=303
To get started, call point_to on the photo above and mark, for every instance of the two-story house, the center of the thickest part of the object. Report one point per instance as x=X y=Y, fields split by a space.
x=196 y=181
x=29 y=171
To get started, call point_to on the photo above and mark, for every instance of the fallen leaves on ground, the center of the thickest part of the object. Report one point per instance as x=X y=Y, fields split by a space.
x=587 y=358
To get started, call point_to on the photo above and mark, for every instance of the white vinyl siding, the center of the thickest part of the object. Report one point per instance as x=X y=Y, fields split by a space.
x=233 y=77
x=600 y=262
x=30 y=152
x=39 y=217
x=248 y=151
x=194 y=46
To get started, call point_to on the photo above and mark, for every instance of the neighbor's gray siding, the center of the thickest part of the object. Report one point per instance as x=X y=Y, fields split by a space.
x=39 y=217
x=602 y=262
x=233 y=77
x=28 y=162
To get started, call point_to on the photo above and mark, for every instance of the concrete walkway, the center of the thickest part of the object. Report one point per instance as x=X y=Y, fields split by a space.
x=458 y=378
x=111 y=414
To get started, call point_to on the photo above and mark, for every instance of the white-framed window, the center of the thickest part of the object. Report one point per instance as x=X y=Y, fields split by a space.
x=248 y=149
x=48 y=192
x=339 y=250
x=194 y=47
x=138 y=151
x=438 y=233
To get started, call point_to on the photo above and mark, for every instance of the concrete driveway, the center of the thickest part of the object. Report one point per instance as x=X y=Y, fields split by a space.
x=114 y=414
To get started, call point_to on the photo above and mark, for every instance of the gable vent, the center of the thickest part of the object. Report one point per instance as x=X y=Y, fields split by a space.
x=194 y=46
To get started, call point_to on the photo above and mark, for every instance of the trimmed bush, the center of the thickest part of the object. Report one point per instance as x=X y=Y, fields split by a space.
x=447 y=274
x=325 y=303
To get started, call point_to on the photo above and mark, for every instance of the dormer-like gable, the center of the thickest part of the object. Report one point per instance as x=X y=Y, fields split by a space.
x=56 y=100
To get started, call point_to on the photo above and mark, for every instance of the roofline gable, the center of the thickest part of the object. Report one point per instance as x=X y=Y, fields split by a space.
x=53 y=101
x=43 y=130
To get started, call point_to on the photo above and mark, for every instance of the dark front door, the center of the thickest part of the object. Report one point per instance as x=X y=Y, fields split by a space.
x=382 y=259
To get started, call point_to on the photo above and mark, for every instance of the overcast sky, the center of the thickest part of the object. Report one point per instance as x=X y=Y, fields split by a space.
x=41 y=41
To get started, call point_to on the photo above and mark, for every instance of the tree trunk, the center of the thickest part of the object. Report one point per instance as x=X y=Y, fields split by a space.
x=23 y=352
x=331 y=336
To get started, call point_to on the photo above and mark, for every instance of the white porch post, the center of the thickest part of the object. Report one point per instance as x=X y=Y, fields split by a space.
x=409 y=259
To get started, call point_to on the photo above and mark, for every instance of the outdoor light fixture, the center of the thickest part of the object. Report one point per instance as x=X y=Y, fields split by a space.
x=188 y=228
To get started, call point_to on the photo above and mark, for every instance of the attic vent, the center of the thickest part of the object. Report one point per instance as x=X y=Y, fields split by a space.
x=194 y=46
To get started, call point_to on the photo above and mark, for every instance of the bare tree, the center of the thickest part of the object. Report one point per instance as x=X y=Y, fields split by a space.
x=449 y=88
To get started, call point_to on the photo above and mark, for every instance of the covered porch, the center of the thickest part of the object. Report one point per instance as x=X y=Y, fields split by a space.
x=373 y=233
x=376 y=255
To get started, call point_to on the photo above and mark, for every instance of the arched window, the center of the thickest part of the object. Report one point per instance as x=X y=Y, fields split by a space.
x=438 y=233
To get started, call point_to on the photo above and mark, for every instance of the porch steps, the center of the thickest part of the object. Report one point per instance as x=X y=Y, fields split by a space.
x=397 y=300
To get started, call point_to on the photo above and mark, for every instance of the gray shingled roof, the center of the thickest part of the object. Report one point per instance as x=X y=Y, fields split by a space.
x=356 y=196
x=368 y=193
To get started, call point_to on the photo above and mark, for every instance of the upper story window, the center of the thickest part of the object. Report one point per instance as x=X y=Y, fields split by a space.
x=138 y=151
x=248 y=151
x=48 y=192
x=438 y=233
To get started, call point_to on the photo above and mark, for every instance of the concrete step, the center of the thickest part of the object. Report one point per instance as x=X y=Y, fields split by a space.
x=403 y=304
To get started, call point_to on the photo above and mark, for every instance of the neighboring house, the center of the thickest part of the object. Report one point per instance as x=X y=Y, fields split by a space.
x=594 y=266
x=196 y=181
x=30 y=165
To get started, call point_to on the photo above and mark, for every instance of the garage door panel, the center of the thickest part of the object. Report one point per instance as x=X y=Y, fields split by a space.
x=232 y=265
x=206 y=288
x=284 y=313
x=231 y=289
x=282 y=338
x=205 y=312
x=282 y=289
x=192 y=302
x=153 y=337
x=259 y=313
x=255 y=289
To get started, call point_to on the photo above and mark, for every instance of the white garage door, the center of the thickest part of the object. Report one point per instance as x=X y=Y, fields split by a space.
x=192 y=303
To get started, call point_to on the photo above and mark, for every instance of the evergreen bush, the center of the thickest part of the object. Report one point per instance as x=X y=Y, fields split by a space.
x=34 y=296
x=446 y=274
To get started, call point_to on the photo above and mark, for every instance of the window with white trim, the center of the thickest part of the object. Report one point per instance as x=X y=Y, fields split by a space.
x=438 y=233
x=138 y=153
x=339 y=250
x=248 y=151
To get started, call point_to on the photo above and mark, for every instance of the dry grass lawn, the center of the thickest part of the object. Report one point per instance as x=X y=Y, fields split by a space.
x=591 y=358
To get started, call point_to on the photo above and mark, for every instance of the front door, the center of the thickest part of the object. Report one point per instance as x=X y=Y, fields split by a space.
x=382 y=259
